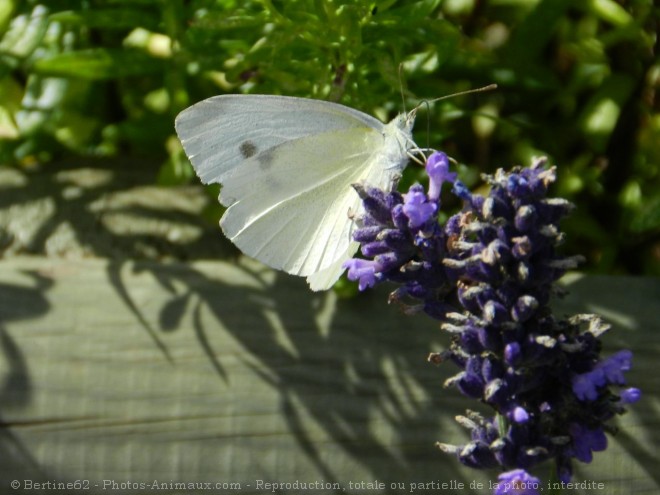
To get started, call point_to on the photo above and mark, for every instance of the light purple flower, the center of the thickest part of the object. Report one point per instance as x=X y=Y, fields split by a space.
x=437 y=168
x=362 y=270
x=517 y=482
x=585 y=386
x=610 y=370
x=585 y=441
x=614 y=366
x=417 y=209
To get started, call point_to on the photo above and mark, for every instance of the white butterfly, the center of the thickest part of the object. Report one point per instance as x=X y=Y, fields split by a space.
x=286 y=166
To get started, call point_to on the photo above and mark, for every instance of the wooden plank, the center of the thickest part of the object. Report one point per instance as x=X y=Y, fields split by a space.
x=136 y=372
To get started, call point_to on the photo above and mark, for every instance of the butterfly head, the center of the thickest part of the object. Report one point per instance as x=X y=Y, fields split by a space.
x=408 y=119
x=404 y=122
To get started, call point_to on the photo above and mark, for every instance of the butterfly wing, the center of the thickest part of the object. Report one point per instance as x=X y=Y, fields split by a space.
x=221 y=132
x=289 y=207
x=286 y=166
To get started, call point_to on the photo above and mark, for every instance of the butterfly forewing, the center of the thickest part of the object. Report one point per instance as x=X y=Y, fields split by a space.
x=220 y=132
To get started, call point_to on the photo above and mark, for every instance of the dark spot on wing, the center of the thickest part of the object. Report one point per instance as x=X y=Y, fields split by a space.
x=247 y=149
x=265 y=159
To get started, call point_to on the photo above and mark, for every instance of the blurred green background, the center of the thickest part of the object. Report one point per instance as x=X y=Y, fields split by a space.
x=578 y=82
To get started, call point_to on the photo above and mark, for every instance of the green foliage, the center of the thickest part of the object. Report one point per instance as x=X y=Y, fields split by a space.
x=577 y=82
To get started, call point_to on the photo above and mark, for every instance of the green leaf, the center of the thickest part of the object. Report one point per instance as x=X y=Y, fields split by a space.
x=25 y=33
x=610 y=11
x=602 y=110
x=647 y=218
x=418 y=10
x=108 y=18
x=6 y=11
x=99 y=64
x=533 y=34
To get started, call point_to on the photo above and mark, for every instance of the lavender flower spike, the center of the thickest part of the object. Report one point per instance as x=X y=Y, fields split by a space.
x=488 y=275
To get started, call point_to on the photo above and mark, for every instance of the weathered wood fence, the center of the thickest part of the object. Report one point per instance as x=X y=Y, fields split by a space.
x=126 y=374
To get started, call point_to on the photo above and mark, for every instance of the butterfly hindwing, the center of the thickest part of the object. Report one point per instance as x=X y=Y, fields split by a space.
x=297 y=218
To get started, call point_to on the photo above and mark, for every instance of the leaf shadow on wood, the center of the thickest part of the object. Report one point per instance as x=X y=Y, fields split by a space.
x=346 y=372
x=104 y=208
x=18 y=303
x=352 y=373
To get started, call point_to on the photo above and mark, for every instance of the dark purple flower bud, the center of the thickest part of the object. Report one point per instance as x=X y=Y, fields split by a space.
x=437 y=309
x=495 y=207
x=399 y=218
x=389 y=261
x=522 y=247
x=490 y=337
x=551 y=210
x=469 y=297
x=630 y=395
x=453 y=227
x=371 y=249
x=495 y=313
x=367 y=234
x=492 y=369
x=524 y=308
x=478 y=455
x=496 y=252
x=393 y=198
x=470 y=341
x=496 y=392
x=470 y=385
x=395 y=239
x=474 y=201
x=512 y=354
x=526 y=217
x=519 y=415
x=374 y=202
x=518 y=186
x=462 y=191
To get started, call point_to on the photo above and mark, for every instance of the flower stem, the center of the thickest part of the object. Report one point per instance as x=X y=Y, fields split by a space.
x=554 y=485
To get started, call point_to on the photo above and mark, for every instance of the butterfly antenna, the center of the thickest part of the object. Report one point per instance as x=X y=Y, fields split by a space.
x=490 y=87
x=428 y=124
x=421 y=151
x=403 y=98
